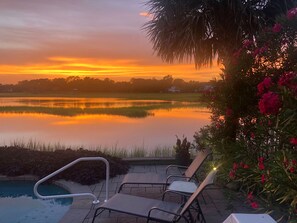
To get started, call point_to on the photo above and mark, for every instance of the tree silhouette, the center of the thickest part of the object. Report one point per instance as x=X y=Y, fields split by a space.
x=202 y=30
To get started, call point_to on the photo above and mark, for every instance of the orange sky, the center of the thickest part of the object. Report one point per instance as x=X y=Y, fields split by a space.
x=45 y=39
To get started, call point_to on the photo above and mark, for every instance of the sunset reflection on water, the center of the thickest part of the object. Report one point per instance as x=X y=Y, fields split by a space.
x=66 y=102
x=93 y=130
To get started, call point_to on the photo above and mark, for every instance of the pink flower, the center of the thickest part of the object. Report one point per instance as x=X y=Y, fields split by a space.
x=287 y=78
x=261 y=88
x=254 y=205
x=250 y=196
x=252 y=135
x=270 y=103
x=291 y=13
x=294 y=162
x=263 y=179
x=246 y=166
x=261 y=166
x=277 y=28
x=235 y=166
x=292 y=170
x=260 y=163
x=264 y=85
x=232 y=174
x=293 y=141
x=267 y=82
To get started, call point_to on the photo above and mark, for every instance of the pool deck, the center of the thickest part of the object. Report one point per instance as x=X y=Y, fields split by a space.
x=220 y=202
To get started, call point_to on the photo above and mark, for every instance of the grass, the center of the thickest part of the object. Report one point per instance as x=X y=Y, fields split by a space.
x=136 y=152
x=185 y=97
x=131 y=111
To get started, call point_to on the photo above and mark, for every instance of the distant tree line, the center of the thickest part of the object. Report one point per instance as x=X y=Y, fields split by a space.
x=93 y=85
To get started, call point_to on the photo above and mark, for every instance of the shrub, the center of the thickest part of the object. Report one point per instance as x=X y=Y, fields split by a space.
x=182 y=153
x=16 y=161
x=254 y=116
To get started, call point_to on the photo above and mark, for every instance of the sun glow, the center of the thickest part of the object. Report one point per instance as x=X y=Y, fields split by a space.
x=39 y=40
x=117 y=69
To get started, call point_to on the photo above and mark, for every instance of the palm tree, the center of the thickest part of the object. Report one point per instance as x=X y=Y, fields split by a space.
x=202 y=30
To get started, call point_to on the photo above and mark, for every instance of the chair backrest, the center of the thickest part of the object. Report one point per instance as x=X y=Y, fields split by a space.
x=197 y=162
x=206 y=182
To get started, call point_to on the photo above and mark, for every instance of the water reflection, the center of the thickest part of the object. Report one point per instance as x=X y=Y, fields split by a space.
x=79 y=106
x=53 y=102
x=104 y=130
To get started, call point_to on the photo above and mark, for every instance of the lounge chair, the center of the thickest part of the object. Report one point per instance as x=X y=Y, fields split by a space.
x=157 y=210
x=165 y=179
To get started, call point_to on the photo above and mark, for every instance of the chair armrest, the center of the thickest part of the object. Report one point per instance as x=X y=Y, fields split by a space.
x=175 y=192
x=175 y=166
x=161 y=210
x=179 y=177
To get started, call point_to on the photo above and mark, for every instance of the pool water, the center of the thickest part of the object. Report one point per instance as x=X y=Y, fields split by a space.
x=18 y=204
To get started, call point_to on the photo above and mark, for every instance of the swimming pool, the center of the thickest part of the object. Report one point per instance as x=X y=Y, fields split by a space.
x=18 y=204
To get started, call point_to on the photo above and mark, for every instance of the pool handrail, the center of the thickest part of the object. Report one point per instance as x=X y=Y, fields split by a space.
x=95 y=199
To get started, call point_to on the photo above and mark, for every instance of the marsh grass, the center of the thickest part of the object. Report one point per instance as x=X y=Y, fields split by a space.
x=136 y=152
x=132 y=111
x=186 y=97
x=162 y=152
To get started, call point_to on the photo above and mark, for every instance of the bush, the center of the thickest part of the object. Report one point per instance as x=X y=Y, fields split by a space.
x=254 y=116
x=182 y=153
x=16 y=161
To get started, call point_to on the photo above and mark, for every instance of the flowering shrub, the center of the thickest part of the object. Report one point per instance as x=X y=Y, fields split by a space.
x=270 y=103
x=254 y=116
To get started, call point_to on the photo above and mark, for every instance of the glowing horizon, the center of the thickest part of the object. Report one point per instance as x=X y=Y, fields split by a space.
x=74 y=38
x=116 y=70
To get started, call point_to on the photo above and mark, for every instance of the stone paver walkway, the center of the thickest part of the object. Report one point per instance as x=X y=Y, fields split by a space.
x=216 y=209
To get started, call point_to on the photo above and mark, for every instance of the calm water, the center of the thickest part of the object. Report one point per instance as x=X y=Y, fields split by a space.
x=106 y=122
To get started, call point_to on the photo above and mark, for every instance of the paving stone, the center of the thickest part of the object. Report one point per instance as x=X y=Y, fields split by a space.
x=75 y=215
x=98 y=188
x=117 y=179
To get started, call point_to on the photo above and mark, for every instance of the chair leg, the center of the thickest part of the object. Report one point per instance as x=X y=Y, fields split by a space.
x=187 y=220
x=200 y=214
x=191 y=219
x=203 y=198
x=120 y=188
x=96 y=215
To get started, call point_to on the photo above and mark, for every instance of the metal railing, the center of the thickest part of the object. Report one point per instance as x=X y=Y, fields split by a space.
x=95 y=200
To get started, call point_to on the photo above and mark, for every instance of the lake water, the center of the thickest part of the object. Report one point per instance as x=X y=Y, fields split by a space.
x=105 y=122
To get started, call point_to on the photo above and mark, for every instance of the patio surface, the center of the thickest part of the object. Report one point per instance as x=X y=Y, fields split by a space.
x=220 y=202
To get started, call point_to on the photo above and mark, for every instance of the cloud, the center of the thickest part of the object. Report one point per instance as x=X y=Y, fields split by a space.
x=146 y=14
x=99 y=36
x=101 y=29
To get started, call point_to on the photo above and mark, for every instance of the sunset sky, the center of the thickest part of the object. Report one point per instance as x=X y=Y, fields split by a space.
x=102 y=38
